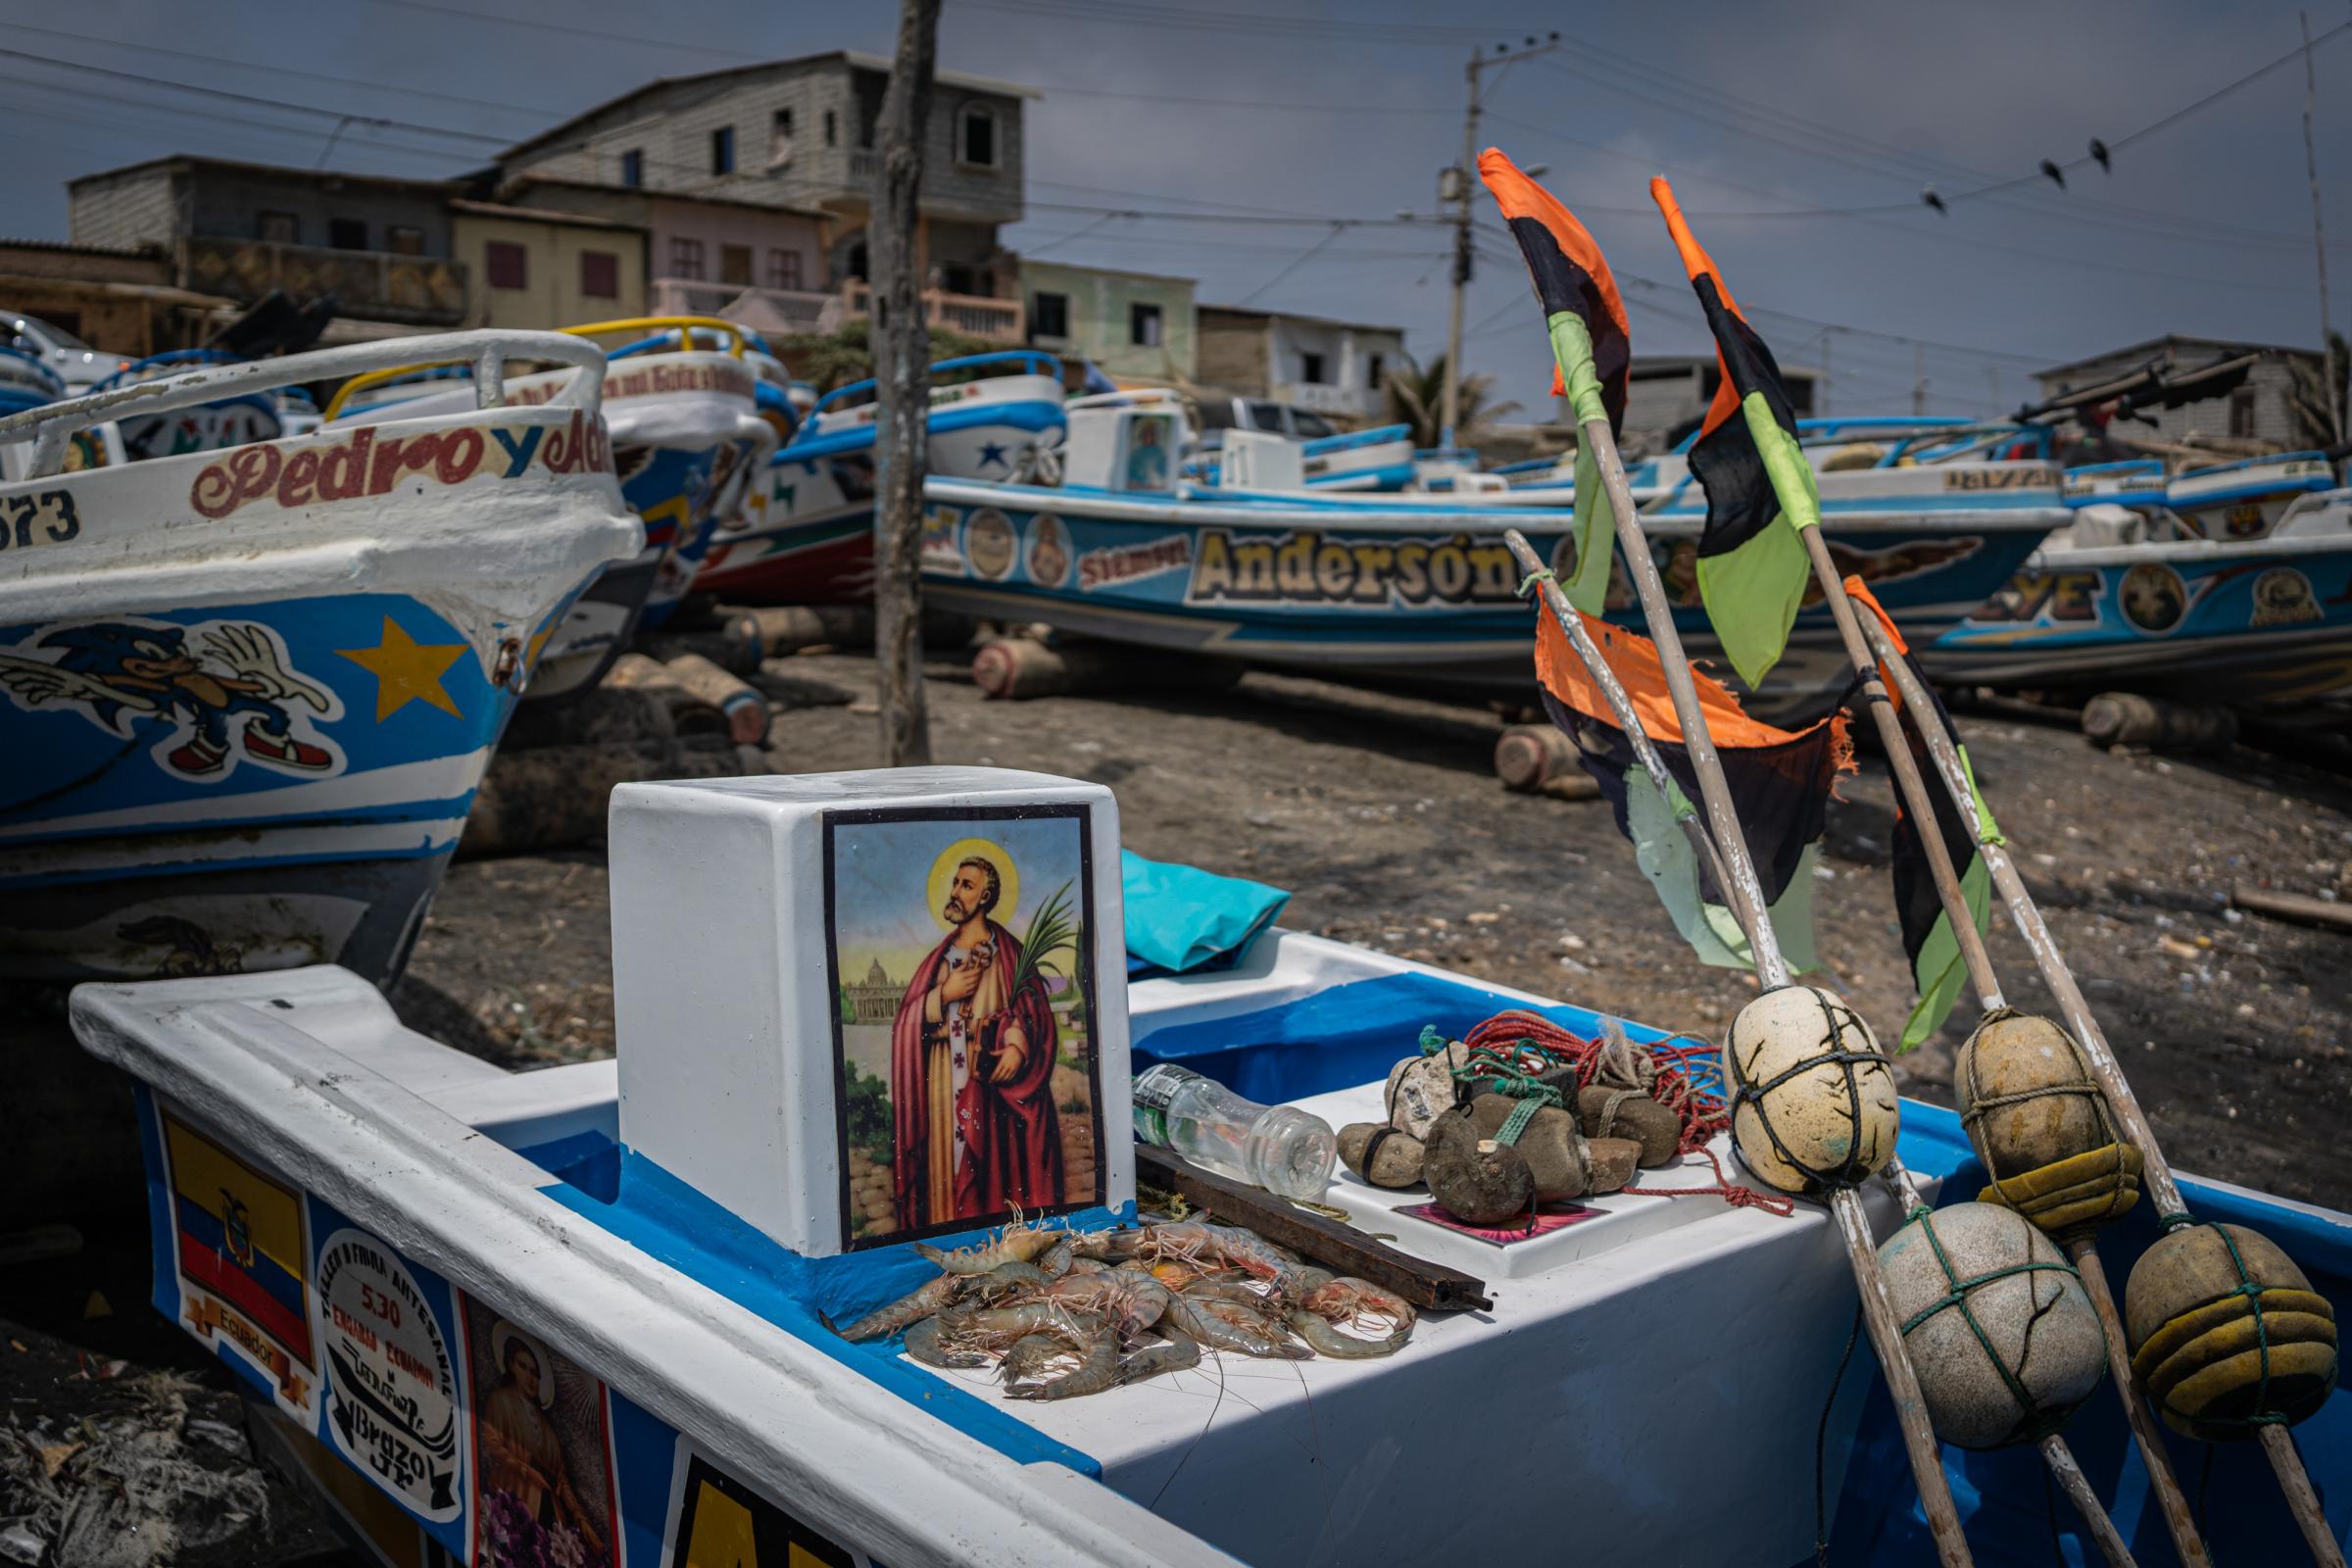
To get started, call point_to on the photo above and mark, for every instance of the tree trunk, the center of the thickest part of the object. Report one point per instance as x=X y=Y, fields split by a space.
x=902 y=370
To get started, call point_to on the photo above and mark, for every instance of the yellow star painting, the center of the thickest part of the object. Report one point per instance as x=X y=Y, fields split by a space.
x=407 y=670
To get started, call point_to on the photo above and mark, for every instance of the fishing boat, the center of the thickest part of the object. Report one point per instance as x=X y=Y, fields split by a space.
x=806 y=533
x=1415 y=587
x=2246 y=500
x=213 y=427
x=685 y=432
x=2121 y=599
x=1381 y=457
x=247 y=694
x=584 y=1314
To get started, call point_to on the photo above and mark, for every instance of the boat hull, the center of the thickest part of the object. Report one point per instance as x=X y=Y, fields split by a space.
x=2262 y=626
x=1423 y=592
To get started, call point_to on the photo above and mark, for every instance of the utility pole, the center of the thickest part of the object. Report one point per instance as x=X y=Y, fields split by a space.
x=903 y=392
x=2318 y=239
x=1456 y=185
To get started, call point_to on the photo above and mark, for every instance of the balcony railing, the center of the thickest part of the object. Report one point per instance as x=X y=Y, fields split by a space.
x=973 y=314
x=765 y=309
x=427 y=290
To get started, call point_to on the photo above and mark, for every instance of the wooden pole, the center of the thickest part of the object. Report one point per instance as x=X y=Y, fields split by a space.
x=903 y=392
x=2076 y=1488
x=1912 y=788
x=2319 y=240
x=1845 y=1204
x=2163 y=1189
x=2178 y=1518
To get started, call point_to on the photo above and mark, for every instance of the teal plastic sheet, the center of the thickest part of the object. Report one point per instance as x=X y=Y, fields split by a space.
x=1181 y=917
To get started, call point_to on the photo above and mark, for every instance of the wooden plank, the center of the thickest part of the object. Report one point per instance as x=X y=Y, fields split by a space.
x=1342 y=1249
x=2290 y=907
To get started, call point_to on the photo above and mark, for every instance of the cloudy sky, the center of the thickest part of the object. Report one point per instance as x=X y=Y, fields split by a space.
x=1794 y=115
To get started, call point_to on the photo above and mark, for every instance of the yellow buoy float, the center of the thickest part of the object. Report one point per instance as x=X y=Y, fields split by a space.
x=2227 y=1335
x=2039 y=1122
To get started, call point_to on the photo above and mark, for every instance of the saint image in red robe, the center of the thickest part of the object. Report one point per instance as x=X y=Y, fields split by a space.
x=971 y=1072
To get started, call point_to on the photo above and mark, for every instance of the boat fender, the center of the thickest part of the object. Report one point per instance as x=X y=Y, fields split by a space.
x=1813 y=1100
x=1476 y=1180
x=2004 y=1336
x=2040 y=1123
x=2226 y=1334
x=1381 y=1155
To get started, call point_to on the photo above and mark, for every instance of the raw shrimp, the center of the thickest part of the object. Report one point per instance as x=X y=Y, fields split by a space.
x=1016 y=1242
x=1098 y=1369
x=1198 y=1244
x=1228 y=1326
x=1108 y=1246
x=1014 y=1322
x=919 y=1303
x=1055 y=1259
x=1342 y=1299
x=1087 y=1265
x=1133 y=1301
x=1031 y=1354
x=1210 y=1288
x=1174 y=1352
x=1325 y=1339
x=1001 y=1281
x=924 y=1344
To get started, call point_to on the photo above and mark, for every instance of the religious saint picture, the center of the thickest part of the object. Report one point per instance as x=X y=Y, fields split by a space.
x=963 y=1019
x=542 y=1452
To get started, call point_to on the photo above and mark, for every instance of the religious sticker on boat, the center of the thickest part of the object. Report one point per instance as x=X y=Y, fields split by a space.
x=987 y=544
x=959 y=947
x=718 y=1522
x=2282 y=597
x=2153 y=597
x=1049 y=550
x=542 y=1452
x=240 y=1251
x=391 y=1389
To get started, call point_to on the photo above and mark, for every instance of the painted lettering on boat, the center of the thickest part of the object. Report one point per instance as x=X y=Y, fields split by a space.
x=369 y=462
x=2002 y=479
x=623 y=381
x=44 y=518
x=1100 y=568
x=1313 y=568
x=392 y=1399
x=2046 y=596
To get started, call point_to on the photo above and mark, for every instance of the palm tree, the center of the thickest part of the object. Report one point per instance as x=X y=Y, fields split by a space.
x=1416 y=397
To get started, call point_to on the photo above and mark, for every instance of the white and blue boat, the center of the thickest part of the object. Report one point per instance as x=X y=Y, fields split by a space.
x=685 y=429
x=554 y=1316
x=247 y=694
x=1410 y=586
x=2246 y=500
x=806 y=530
x=213 y=427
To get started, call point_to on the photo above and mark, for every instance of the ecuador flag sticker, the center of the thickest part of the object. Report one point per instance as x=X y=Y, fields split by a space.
x=241 y=1251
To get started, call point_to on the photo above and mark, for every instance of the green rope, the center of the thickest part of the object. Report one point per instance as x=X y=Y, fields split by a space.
x=2252 y=1291
x=1540 y=575
x=2039 y=1423
x=1502 y=1076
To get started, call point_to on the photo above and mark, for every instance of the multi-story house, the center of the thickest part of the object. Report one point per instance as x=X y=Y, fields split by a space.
x=384 y=247
x=1333 y=367
x=1135 y=327
x=745 y=168
x=2261 y=408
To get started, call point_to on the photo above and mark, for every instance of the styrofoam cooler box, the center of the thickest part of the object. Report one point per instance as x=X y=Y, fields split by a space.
x=859 y=1010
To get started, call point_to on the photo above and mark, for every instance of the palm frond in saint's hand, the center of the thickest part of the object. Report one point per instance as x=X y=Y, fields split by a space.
x=1051 y=929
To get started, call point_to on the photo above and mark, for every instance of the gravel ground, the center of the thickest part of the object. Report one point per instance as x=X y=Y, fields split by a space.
x=1382 y=816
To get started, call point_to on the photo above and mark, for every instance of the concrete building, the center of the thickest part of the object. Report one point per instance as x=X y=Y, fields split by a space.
x=1136 y=327
x=1333 y=367
x=795 y=138
x=1664 y=392
x=384 y=247
x=541 y=269
x=2261 y=410
x=119 y=302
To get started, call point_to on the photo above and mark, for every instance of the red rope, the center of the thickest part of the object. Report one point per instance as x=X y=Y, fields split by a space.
x=1535 y=1044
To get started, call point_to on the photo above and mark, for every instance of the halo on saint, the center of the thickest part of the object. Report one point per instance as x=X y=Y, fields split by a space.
x=1009 y=878
x=504 y=1336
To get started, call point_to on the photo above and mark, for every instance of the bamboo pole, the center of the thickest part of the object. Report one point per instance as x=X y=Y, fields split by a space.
x=1846 y=1204
x=2076 y=1488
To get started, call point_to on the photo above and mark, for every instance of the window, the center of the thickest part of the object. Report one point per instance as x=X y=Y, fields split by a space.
x=723 y=150
x=278 y=229
x=506 y=263
x=599 y=275
x=347 y=234
x=1050 y=314
x=402 y=240
x=1309 y=426
x=1266 y=416
x=977 y=136
x=1311 y=369
x=685 y=257
x=779 y=138
x=1376 y=370
x=632 y=168
x=832 y=129
x=783 y=268
x=2241 y=411
x=735 y=265
x=1142 y=325
x=861 y=265
x=956 y=278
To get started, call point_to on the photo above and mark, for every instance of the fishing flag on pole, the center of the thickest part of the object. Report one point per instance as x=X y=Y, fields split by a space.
x=1592 y=350
x=1936 y=967
x=1752 y=565
x=1778 y=779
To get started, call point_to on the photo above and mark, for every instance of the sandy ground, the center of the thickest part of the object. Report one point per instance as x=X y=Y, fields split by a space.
x=1382 y=816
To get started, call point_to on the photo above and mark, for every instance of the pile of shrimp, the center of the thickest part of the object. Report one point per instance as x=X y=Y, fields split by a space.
x=1062 y=1313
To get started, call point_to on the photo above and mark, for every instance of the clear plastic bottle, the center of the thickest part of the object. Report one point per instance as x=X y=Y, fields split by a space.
x=1288 y=1151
